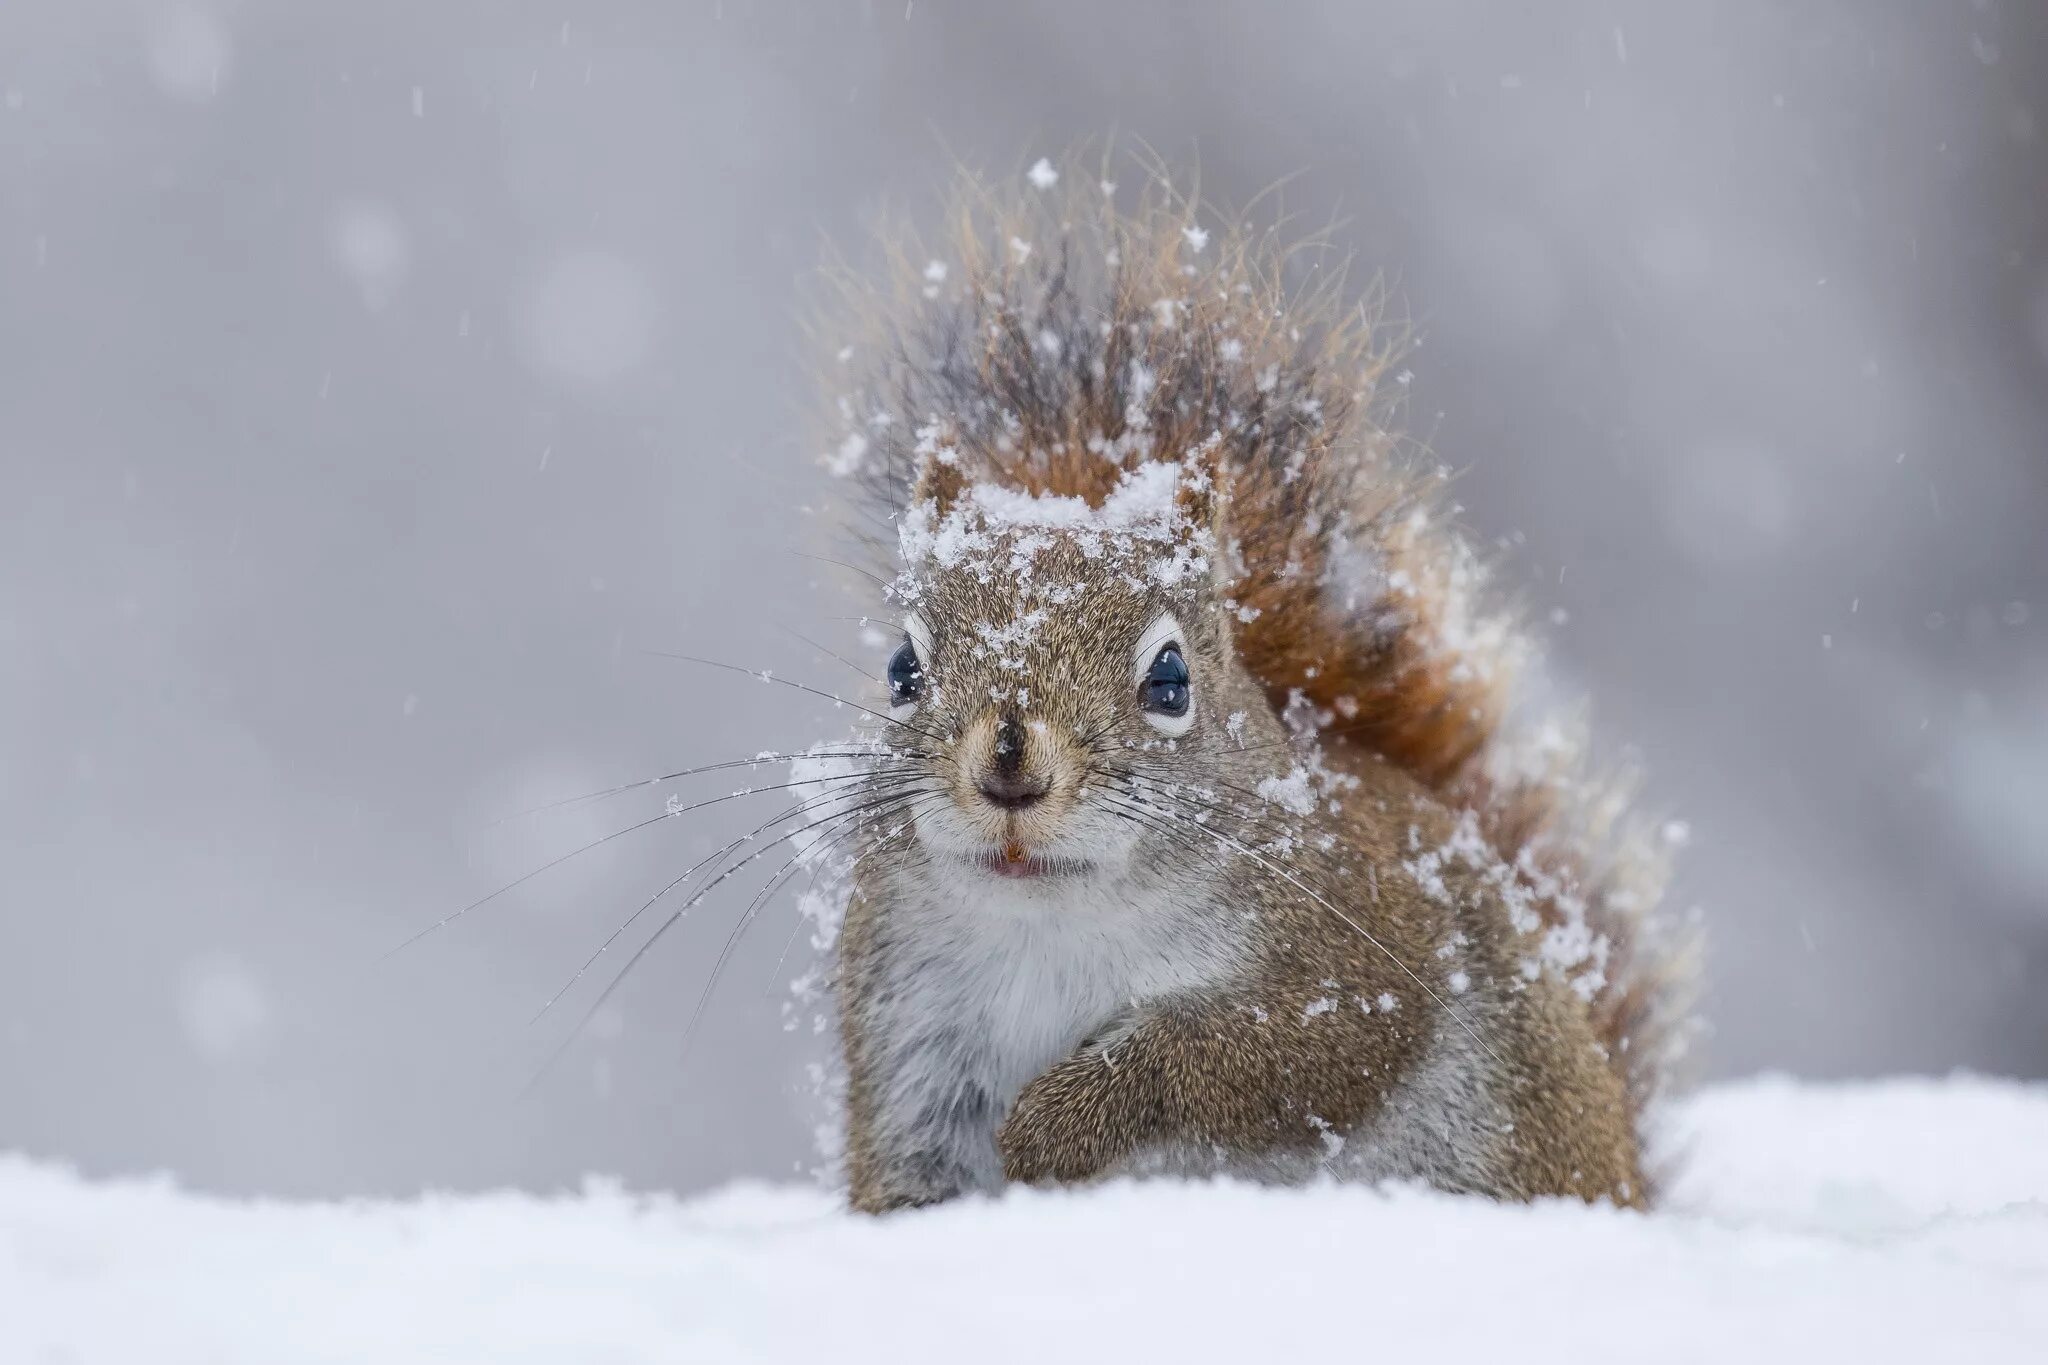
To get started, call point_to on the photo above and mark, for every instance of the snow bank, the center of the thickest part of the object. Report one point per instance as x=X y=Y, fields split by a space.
x=1903 y=1221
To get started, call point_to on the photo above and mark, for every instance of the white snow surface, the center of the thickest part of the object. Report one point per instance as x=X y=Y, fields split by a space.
x=1892 y=1221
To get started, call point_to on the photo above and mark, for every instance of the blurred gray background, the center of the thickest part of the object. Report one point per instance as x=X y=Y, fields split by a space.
x=381 y=379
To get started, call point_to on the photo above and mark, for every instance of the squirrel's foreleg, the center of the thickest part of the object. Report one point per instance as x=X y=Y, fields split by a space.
x=1221 y=1074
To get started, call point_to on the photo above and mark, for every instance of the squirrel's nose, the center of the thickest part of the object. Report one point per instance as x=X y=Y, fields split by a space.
x=1014 y=790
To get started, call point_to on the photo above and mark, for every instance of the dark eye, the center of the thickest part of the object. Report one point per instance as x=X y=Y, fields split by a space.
x=906 y=675
x=1165 y=689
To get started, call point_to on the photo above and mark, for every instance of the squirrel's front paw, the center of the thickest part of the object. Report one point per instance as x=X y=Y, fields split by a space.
x=1050 y=1135
x=1081 y=1116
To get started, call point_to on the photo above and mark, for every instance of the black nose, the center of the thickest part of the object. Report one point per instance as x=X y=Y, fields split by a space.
x=1013 y=790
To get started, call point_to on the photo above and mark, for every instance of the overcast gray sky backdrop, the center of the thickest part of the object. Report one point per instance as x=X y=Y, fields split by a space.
x=379 y=379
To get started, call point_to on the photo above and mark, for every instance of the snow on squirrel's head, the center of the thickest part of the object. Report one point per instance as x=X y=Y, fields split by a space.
x=1054 y=652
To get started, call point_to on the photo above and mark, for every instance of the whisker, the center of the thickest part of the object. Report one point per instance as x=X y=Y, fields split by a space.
x=797 y=927
x=1192 y=792
x=753 y=909
x=524 y=878
x=1175 y=834
x=1290 y=742
x=644 y=906
x=809 y=806
x=871 y=577
x=675 y=915
x=793 y=932
x=822 y=649
x=764 y=675
x=611 y=987
x=868 y=619
x=874 y=751
x=1362 y=932
x=1258 y=815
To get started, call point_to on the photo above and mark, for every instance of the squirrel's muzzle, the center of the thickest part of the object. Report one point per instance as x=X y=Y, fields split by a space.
x=1008 y=764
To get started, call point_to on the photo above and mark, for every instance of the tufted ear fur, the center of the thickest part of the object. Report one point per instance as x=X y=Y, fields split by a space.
x=1204 y=498
x=941 y=477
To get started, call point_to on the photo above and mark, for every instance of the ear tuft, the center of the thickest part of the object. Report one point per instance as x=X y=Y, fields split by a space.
x=940 y=475
x=1204 y=492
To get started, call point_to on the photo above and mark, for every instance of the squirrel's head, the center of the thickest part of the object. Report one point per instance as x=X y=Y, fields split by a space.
x=1057 y=661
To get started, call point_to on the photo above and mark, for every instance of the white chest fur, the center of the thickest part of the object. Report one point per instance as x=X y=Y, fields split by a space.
x=982 y=984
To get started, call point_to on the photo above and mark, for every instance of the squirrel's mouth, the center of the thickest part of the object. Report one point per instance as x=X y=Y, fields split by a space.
x=1014 y=861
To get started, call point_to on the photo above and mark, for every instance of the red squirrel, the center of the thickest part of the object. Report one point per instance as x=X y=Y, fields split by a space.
x=1205 y=844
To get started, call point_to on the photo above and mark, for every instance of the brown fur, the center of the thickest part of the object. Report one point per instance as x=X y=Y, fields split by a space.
x=1069 y=342
x=1205 y=1072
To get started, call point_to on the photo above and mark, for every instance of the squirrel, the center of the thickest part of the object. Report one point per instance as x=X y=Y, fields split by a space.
x=1202 y=832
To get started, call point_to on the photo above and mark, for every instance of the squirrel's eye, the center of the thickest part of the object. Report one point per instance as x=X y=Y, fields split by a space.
x=1165 y=688
x=906 y=675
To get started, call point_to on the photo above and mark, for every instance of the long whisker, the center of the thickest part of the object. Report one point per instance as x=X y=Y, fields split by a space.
x=524 y=878
x=611 y=987
x=1207 y=779
x=1257 y=807
x=873 y=578
x=809 y=806
x=763 y=675
x=674 y=916
x=1358 y=928
x=797 y=923
x=753 y=909
x=850 y=752
x=868 y=619
x=1290 y=742
x=1148 y=818
x=796 y=927
x=833 y=653
x=1257 y=815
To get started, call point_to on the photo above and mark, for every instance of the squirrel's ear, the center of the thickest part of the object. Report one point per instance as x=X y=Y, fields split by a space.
x=1204 y=498
x=1204 y=492
x=939 y=476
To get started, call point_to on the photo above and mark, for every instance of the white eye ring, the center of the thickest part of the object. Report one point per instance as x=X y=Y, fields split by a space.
x=1164 y=631
x=921 y=643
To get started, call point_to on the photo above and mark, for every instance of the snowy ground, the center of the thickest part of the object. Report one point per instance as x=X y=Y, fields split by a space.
x=1898 y=1221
